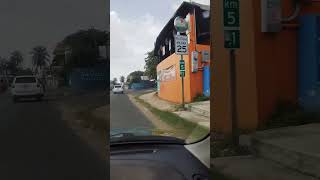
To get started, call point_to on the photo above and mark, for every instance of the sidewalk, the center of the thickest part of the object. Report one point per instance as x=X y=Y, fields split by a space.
x=86 y=114
x=197 y=112
x=281 y=153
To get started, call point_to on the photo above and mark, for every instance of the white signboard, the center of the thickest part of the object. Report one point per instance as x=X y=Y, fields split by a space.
x=181 y=44
x=194 y=58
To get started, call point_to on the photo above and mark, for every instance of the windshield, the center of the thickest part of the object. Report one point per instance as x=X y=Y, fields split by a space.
x=25 y=80
x=164 y=95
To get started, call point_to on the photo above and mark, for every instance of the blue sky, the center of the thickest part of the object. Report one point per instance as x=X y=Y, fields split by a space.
x=134 y=26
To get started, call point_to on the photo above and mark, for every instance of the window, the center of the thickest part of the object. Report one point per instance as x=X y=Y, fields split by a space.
x=163 y=50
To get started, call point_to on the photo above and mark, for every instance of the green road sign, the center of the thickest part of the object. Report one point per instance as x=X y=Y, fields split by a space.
x=231 y=13
x=182 y=73
x=231 y=21
x=232 y=39
x=182 y=65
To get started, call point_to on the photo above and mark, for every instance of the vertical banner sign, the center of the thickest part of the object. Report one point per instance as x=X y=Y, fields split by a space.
x=182 y=68
x=194 y=58
x=231 y=21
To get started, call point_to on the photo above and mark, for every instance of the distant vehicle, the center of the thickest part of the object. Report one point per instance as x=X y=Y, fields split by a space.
x=117 y=89
x=26 y=87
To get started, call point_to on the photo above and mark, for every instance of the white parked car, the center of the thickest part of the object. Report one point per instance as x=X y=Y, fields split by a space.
x=26 y=87
x=117 y=89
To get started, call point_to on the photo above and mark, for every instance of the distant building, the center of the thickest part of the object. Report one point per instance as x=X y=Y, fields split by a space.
x=196 y=62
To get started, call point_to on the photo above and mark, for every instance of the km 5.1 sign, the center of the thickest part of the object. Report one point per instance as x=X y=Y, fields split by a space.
x=231 y=21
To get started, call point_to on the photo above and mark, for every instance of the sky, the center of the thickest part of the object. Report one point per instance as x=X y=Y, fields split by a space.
x=28 y=23
x=134 y=27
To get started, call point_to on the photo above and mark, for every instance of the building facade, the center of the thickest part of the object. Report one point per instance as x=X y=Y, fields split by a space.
x=198 y=58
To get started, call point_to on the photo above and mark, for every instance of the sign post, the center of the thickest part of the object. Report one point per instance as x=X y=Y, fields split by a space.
x=181 y=48
x=231 y=21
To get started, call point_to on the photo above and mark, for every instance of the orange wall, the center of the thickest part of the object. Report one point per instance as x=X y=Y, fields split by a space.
x=171 y=90
x=265 y=64
x=245 y=67
x=276 y=61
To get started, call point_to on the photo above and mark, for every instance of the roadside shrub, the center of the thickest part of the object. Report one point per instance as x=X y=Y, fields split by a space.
x=201 y=97
x=290 y=114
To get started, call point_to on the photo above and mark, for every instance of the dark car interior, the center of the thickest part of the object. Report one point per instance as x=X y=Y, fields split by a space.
x=155 y=161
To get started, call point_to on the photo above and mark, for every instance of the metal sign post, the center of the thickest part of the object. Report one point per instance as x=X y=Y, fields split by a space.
x=181 y=48
x=182 y=74
x=231 y=17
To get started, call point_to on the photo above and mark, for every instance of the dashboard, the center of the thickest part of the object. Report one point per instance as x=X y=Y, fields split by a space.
x=155 y=162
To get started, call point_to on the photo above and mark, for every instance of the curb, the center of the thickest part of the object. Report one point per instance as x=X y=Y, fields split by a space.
x=154 y=119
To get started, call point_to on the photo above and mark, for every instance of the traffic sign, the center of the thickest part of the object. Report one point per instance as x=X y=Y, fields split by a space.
x=231 y=21
x=182 y=73
x=181 y=44
x=232 y=39
x=182 y=65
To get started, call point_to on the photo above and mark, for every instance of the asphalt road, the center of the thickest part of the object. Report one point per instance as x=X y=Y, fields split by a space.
x=125 y=115
x=37 y=144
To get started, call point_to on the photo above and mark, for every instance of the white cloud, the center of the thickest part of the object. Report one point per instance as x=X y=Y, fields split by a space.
x=130 y=41
x=131 y=38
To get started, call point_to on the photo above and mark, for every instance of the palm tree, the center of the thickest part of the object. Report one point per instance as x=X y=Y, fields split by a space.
x=15 y=60
x=40 y=57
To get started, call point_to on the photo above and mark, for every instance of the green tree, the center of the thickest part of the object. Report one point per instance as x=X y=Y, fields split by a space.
x=15 y=60
x=151 y=65
x=40 y=57
x=84 y=48
x=135 y=77
x=122 y=79
x=114 y=81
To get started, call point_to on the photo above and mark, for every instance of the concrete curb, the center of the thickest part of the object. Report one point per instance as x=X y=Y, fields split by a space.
x=199 y=111
x=302 y=162
x=154 y=119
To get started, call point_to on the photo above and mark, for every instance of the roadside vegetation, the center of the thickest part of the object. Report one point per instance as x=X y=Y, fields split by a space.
x=182 y=128
x=290 y=114
x=201 y=97
x=89 y=120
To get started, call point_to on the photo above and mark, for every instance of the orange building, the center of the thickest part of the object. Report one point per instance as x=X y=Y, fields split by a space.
x=266 y=63
x=198 y=59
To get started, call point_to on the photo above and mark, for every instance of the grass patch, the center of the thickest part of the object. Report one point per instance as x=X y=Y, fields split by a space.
x=289 y=114
x=182 y=128
x=201 y=97
x=223 y=147
x=88 y=120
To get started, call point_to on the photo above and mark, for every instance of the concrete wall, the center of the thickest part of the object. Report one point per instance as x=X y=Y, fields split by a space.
x=171 y=90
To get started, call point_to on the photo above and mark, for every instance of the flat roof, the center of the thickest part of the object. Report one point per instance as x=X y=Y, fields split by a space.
x=183 y=10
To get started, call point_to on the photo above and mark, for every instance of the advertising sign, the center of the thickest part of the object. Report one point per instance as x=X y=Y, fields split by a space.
x=168 y=74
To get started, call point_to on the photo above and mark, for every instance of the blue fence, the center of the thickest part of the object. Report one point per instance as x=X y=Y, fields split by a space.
x=89 y=78
x=142 y=85
x=206 y=81
x=309 y=62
